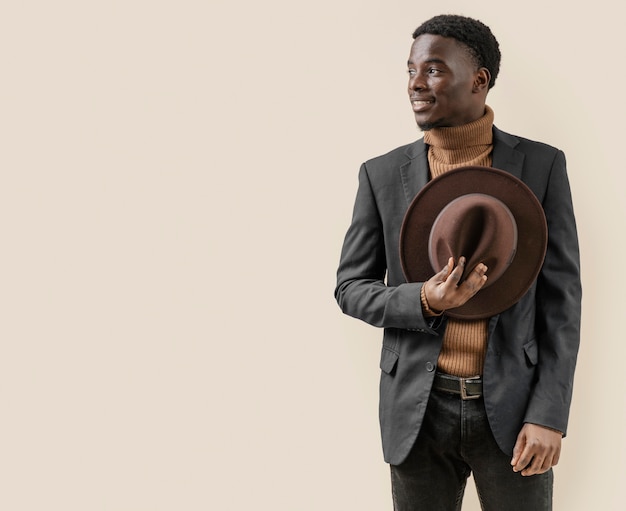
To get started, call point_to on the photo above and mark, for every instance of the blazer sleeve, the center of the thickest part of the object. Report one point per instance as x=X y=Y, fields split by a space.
x=558 y=307
x=361 y=289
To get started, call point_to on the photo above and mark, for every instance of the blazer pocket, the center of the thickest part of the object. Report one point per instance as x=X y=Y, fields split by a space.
x=532 y=352
x=388 y=360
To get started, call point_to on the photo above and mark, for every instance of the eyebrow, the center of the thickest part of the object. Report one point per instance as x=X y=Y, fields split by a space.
x=428 y=61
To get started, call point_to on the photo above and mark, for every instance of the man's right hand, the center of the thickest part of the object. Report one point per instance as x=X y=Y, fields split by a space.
x=443 y=290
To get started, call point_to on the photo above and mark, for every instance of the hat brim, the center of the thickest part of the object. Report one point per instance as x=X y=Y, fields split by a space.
x=531 y=242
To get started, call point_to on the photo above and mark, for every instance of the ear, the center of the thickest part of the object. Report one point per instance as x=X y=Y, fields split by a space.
x=482 y=79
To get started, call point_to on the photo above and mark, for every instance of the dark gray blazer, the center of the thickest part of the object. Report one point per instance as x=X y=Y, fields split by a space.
x=532 y=347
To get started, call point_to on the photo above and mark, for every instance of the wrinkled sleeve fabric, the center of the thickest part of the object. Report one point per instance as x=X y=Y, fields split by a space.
x=558 y=307
x=361 y=290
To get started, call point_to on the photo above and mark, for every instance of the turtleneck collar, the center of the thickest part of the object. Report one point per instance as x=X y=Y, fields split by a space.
x=478 y=132
x=469 y=144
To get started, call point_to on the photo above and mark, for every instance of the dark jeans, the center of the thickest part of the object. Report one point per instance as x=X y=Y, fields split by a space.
x=456 y=440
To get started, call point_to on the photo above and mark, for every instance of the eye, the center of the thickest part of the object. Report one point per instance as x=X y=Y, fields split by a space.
x=433 y=70
x=411 y=72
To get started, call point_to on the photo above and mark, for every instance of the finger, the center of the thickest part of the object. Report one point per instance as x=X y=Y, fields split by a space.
x=520 y=445
x=523 y=456
x=480 y=269
x=536 y=466
x=476 y=280
x=556 y=458
x=447 y=269
x=441 y=277
x=523 y=462
x=456 y=273
x=517 y=451
x=549 y=461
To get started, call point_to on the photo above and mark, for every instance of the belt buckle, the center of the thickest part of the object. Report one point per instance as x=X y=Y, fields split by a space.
x=464 y=395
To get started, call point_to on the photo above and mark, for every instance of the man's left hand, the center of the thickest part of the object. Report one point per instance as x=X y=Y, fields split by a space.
x=537 y=450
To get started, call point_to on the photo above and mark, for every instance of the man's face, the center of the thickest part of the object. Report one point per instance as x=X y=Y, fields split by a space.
x=445 y=87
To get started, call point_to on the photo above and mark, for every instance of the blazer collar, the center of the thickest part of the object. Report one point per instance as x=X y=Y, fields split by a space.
x=415 y=172
x=505 y=156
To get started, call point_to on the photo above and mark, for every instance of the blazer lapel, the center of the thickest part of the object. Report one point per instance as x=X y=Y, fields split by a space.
x=414 y=173
x=505 y=156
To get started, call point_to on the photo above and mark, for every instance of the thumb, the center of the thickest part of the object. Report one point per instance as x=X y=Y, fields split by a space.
x=447 y=269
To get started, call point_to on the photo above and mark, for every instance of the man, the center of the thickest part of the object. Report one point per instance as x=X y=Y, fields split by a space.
x=520 y=362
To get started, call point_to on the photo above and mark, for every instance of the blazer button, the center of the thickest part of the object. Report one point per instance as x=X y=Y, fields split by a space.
x=430 y=367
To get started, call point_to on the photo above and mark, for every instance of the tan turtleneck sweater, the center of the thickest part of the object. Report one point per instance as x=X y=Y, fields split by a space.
x=464 y=341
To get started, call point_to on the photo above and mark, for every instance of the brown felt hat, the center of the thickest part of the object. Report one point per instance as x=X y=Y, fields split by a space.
x=486 y=215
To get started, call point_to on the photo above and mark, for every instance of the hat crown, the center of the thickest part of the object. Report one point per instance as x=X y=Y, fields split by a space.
x=479 y=227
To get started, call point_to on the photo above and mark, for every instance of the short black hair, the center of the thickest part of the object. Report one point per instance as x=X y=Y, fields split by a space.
x=473 y=34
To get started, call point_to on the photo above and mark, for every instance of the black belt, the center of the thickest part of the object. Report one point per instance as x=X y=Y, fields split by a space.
x=467 y=388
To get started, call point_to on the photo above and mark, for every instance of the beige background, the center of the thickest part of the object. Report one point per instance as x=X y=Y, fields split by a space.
x=177 y=178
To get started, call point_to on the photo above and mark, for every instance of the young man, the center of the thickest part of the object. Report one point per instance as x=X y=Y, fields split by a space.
x=488 y=396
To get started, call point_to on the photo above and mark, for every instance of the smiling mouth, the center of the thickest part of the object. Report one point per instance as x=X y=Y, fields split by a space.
x=419 y=104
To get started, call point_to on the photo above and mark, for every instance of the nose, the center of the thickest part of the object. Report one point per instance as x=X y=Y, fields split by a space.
x=417 y=82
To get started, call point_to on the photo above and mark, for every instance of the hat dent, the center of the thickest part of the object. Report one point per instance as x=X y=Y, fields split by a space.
x=479 y=227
